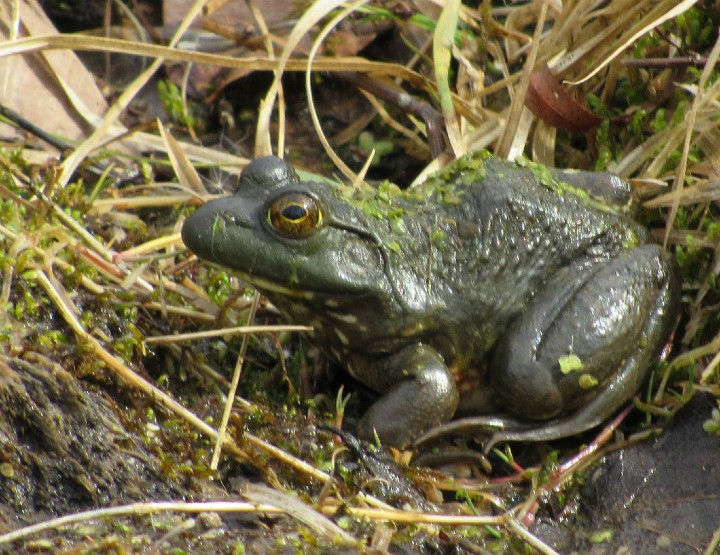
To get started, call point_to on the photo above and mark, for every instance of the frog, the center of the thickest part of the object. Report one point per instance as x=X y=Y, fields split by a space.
x=500 y=294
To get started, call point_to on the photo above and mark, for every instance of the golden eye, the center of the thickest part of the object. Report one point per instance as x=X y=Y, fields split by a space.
x=294 y=214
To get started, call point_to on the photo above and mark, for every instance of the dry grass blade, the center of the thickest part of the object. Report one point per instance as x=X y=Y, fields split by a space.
x=310 y=17
x=153 y=246
x=187 y=175
x=287 y=458
x=250 y=63
x=520 y=531
x=240 y=330
x=300 y=511
x=232 y=391
x=344 y=169
x=512 y=143
x=700 y=194
x=280 y=503
x=714 y=543
x=682 y=166
x=662 y=12
x=138 y=509
x=105 y=205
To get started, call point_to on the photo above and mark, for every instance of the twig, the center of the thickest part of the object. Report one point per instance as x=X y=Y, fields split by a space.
x=684 y=61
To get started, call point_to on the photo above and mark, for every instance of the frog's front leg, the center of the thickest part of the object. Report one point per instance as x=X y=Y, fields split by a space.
x=418 y=392
x=613 y=317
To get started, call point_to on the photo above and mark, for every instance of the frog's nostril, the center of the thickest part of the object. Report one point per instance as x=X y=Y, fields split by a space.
x=235 y=218
x=231 y=218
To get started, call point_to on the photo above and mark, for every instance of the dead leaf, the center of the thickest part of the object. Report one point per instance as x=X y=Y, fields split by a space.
x=548 y=99
x=31 y=84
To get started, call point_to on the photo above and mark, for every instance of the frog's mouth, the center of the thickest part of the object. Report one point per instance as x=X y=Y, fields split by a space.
x=269 y=286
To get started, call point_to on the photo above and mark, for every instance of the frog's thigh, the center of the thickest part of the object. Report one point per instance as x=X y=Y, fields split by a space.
x=419 y=392
x=614 y=317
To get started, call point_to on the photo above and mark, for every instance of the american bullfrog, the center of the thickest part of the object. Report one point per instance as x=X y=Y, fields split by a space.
x=495 y=288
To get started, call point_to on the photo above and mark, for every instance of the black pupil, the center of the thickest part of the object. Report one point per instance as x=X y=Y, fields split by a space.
x=294 y=212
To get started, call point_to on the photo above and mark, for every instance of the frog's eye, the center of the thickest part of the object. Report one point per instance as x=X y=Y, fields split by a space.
x=294 y=214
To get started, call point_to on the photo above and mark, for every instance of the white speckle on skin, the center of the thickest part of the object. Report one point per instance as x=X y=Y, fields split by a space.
x=342 y=337
x=331 y=303
x=347 y=318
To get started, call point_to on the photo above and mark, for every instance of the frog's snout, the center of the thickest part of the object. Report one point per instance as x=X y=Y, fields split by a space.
x=191 y=232
x=200 y=227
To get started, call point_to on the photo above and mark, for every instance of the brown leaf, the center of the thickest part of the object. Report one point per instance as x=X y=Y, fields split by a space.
x=548 y=100
x=33 y=85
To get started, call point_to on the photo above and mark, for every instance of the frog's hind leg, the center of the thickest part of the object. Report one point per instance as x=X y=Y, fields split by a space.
x=613 y=318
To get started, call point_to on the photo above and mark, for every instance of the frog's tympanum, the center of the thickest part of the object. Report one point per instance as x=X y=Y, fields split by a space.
x=495 y=288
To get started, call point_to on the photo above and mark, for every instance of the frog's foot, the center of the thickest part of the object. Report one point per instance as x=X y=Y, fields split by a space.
x=458 y=462
x=486 y=430
x=471 y=426
x=614 y=319
x=491 y=430
x=419 y=392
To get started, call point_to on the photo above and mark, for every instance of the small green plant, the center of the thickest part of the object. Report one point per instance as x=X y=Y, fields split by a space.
x=712 y=425
x=180 y=111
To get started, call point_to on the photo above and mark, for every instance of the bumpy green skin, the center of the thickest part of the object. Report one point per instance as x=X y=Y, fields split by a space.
x=463 y=295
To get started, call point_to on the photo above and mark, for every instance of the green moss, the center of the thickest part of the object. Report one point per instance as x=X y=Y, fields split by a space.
x=390 y=203
x=466 y=170
x=220 y=286
x=631 y=239
x=587 y=381
x=438 y=238
x=381 y=147
x=547 y=179
x=51 y=338
x=570 y=363
x=712 y=425
x=26 y=307
x=605 y=144
x=186 y=113
x=601 y=536
x=130 y=346
x=697 y=26
x=659 y=122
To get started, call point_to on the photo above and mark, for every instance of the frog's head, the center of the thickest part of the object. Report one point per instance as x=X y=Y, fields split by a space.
x=298 y=242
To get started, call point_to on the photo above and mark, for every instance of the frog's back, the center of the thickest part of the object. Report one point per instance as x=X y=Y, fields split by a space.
x=489 y=237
